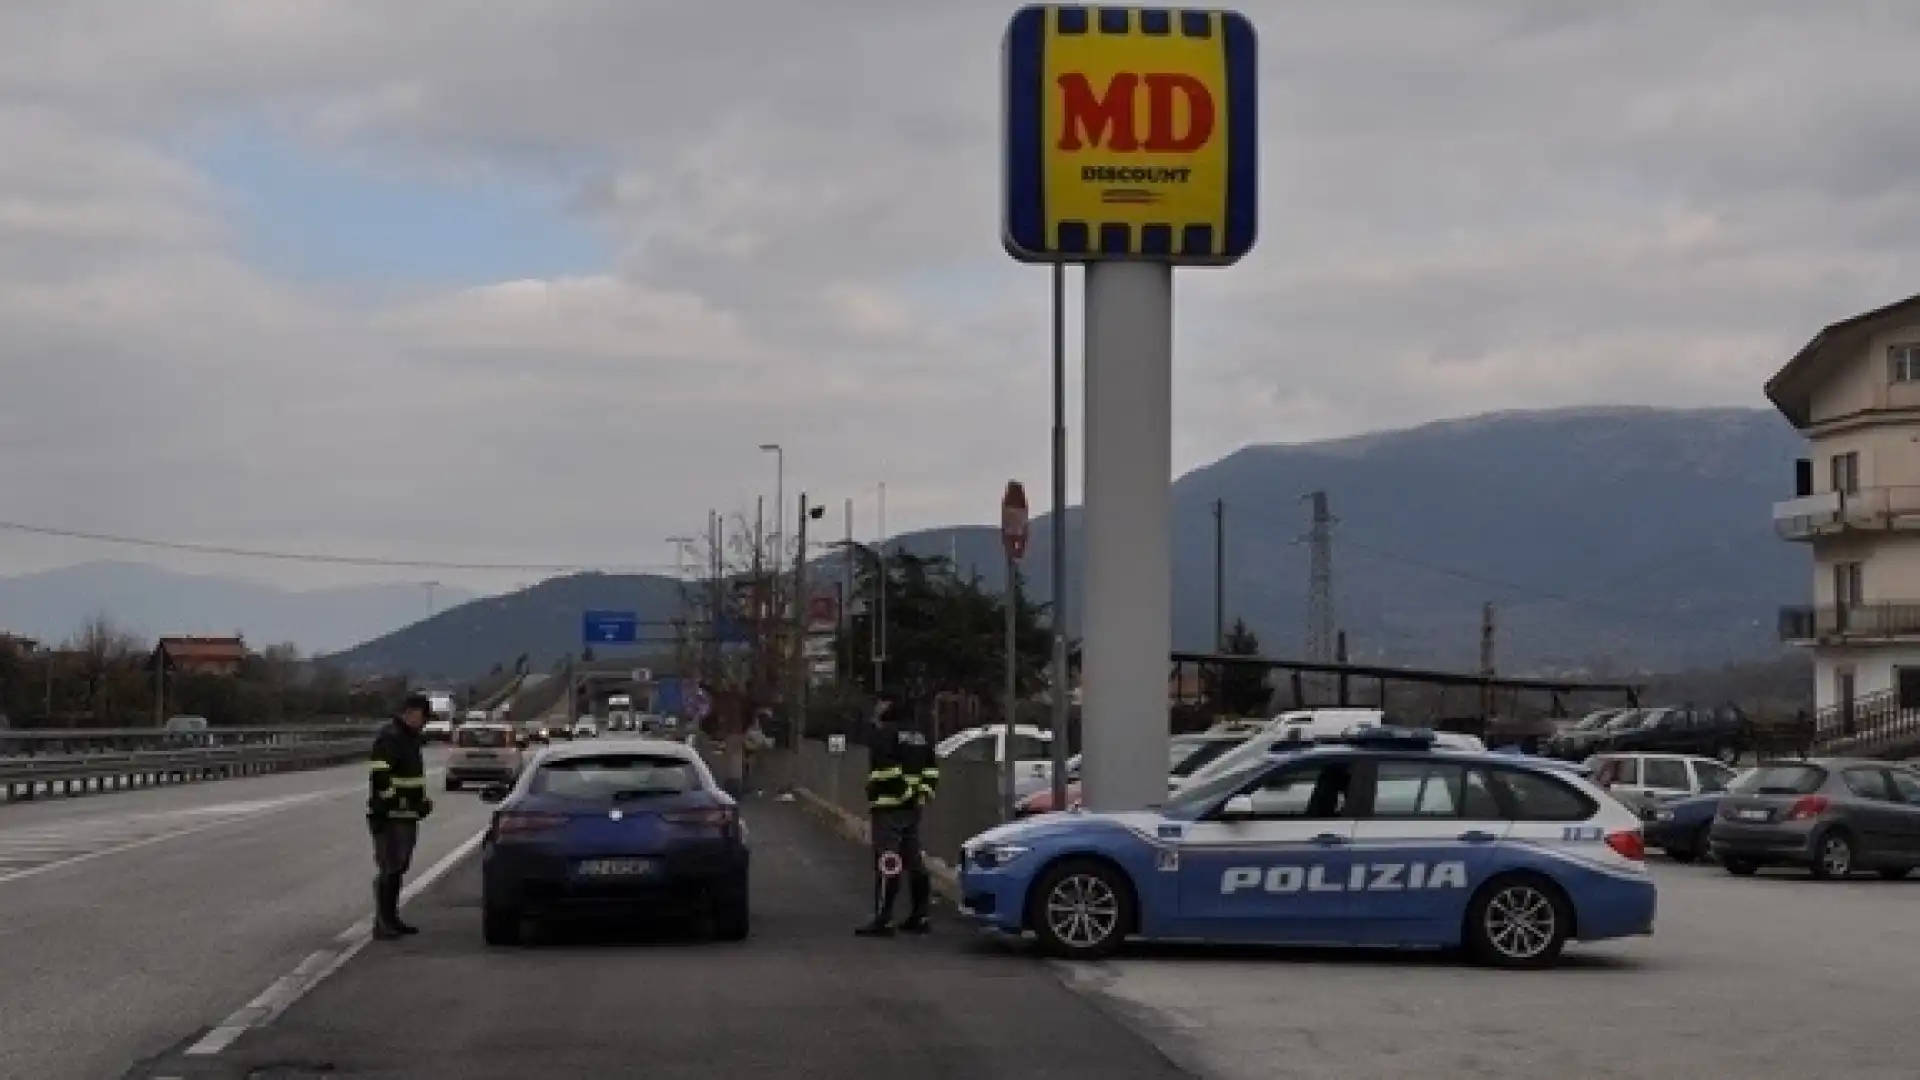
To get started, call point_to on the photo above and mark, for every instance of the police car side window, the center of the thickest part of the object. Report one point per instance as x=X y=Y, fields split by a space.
x=1308 y=792
x=1530 y=796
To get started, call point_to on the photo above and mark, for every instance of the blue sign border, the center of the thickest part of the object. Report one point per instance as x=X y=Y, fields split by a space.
x=1024 y=111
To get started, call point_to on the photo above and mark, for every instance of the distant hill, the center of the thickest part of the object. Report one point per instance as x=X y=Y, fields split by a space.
x=1609 y=539
x=150 y=601
x=1641 y=538
x=542 y=621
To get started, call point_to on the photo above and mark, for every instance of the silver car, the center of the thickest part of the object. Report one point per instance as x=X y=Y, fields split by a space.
x=1834 y=816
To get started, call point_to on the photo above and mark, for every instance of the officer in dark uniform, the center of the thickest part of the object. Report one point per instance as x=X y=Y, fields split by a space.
x=902 y=774
x=396 y=803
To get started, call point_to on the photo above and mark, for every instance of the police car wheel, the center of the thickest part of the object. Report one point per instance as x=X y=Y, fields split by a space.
x=1083 y=909
x=1519 y=921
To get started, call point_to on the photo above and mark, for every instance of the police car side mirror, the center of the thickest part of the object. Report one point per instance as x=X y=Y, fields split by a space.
x=1238 y=806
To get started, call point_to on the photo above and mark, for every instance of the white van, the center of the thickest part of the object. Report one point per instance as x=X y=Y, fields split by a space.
x=1031 y=749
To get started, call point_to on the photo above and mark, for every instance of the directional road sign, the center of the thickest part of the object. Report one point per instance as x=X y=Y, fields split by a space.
x=610 y=627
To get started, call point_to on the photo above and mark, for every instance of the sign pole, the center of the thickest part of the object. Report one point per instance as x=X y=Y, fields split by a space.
x=1014 y=524
x=1128 y=522
x=1062 y=685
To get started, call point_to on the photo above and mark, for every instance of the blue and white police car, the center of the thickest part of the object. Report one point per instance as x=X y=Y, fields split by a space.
x=1375 y=838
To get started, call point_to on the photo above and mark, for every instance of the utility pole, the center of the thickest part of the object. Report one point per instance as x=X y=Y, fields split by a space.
x=1486 y=660
x=880 y=596
x=1320 y=616
x=757 y=676
x=846 y=597
x=1219 y=575
x=797 y=704
x=716 y=540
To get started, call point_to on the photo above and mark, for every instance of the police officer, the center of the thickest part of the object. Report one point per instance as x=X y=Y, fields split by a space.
x=902 y=775
x=396 y=803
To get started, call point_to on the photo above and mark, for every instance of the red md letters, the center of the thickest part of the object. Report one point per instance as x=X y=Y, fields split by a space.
x=1091 y=119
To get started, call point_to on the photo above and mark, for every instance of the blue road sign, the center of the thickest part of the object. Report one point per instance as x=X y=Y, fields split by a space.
x=610 y=627
x=730 y=631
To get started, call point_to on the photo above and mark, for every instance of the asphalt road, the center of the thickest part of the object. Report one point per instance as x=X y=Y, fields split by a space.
x=130 y=919
x=802 y=999
x=1774 y=978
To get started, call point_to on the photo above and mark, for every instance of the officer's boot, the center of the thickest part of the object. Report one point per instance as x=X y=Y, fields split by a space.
x=393 y=908
x=383 y=928
x=920 y=895
x=886 y=893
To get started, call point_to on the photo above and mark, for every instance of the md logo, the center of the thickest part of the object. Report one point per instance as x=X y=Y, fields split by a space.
x=1361 y=877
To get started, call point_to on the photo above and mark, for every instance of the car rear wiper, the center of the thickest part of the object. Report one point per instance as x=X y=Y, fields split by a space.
x=641 y=793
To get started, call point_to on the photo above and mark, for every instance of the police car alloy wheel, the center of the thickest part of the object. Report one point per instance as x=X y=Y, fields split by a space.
x=1082 y=910
x=1517 y=922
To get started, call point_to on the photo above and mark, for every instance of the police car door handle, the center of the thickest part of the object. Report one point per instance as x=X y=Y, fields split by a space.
x=1328 y=839
x=1475 y=836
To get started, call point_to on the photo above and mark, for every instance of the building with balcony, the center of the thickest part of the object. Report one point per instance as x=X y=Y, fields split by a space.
x=1854 y=392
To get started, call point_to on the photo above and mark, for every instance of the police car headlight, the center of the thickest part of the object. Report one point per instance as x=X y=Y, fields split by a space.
x=991 y=856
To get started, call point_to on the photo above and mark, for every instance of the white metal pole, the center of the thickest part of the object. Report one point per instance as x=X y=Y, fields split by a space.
x=1062 y=687
x=1128 y=521
x=1007 y=753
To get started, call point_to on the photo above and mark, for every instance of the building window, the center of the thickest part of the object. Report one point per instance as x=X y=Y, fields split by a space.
x=1849 y=584
x=1843 y=472
x=1906 y=684
x=1903 y=363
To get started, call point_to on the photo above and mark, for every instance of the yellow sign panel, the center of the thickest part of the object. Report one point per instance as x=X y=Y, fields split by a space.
x=1130 y=134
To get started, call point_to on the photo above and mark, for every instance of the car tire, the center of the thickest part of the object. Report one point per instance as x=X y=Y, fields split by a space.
x=1519 y=921
x=1895 y=873
x=1703 y=841
x=1682 y=855
x=733 y=912
x=1082 y=909
x=1833 y=855
x=1738 y=866
x=501 y=925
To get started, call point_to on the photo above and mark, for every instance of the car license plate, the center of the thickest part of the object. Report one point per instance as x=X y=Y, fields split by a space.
x=1754 y=815
x=614 y=867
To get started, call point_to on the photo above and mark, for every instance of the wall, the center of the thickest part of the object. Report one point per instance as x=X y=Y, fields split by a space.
x=1873 y=669
x=1891 y=571
x=968 y=802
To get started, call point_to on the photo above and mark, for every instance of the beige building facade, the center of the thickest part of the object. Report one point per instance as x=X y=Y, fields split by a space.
x=1854 y=392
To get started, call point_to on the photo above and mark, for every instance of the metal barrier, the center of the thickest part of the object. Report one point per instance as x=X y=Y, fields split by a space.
x=968 y=802
x=67 y=742
x=75 y=774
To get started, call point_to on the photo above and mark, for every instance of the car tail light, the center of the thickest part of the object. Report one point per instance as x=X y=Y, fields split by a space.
x=1807 y=807
x=524 y=823
x=715 y=815
x=1629 y=844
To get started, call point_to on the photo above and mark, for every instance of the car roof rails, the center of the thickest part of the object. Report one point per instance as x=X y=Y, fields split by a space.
x=1383 y=737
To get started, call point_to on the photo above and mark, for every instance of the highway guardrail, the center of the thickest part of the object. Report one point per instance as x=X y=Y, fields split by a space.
x=75 y=774
x=71 y=741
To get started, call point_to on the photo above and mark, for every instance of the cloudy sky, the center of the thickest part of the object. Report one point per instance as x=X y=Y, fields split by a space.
x=530 y=282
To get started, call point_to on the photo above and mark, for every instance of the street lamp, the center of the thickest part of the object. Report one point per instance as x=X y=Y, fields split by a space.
x=779 y=496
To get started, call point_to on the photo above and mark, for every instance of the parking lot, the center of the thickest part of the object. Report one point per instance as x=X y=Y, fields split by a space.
x=1771 y=977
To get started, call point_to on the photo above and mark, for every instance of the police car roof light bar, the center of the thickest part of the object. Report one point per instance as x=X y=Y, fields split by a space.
x=1385 y=735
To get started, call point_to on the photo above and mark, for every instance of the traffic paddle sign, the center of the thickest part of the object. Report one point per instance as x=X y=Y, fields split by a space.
x=1013 y=520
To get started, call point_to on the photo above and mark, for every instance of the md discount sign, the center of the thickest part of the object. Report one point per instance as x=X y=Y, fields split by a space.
x=1131 y=133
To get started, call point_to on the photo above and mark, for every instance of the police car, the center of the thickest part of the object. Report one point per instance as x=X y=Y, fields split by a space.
x=1377 y=837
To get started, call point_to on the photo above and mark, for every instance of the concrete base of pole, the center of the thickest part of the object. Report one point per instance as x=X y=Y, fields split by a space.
x=1127 y=625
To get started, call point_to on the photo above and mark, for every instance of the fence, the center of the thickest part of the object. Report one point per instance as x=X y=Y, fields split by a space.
x=968 y=802
x=70 y=742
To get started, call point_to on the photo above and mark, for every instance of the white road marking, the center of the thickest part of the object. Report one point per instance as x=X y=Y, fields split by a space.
x=38 y=843
x=281 y=994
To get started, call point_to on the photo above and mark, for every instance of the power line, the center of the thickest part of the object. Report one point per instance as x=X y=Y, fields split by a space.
x=320 y=557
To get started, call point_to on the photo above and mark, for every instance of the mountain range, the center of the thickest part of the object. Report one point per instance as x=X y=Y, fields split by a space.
x=1605 y=539
x=53 y=605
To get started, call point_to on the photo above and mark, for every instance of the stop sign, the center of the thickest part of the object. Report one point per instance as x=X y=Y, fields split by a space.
x=1013 y=520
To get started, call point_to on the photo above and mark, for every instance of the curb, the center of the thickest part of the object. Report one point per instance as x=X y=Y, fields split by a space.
x=946 y=881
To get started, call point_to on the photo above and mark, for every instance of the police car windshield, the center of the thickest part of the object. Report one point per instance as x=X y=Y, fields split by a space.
x=1197 y=799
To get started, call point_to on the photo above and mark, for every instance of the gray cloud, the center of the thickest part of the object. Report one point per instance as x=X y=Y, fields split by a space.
x=1468 y=206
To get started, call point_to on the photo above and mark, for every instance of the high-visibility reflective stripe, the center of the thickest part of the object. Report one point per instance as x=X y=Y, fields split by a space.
x=930 y=773
x=884 y=774
x=378 y=766
x=887 y=802
x=389 y=793
x=409 y=781
x=401 y=814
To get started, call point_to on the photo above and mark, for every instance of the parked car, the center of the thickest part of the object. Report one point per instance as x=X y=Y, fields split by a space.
x=1579 y=741
x=1185 y=755
x=1722 y=732
x=1682 y=827
x=1642 y=780
x=1834 y=816
x=483 y=751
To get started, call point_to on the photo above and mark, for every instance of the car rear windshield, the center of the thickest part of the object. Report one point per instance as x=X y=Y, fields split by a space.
x=1782 y=780
x=1185 y=760
x=609 y=776
x=470 y=736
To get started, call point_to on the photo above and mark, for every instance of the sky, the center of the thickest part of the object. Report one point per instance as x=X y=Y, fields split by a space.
x=531 y=283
